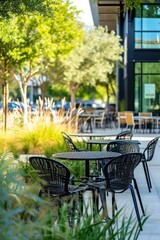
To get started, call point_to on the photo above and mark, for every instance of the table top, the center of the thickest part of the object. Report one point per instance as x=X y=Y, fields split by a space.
x=92 y=135
x=146 y=117
x=106 y=141
x=90 y=115
x=86 y=155
x=142 y=117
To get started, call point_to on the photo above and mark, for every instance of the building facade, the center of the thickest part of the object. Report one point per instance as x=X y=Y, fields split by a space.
x=139 y=78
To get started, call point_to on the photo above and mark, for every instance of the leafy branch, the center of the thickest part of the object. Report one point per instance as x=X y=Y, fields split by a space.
x=131 y=4
x=23 y=6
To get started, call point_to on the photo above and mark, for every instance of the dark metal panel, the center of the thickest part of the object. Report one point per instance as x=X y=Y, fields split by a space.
x=130 y=65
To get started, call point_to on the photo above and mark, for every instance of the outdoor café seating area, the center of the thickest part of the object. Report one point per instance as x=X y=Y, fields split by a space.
x=142 y=122
x=119 y=172
x=86 y=120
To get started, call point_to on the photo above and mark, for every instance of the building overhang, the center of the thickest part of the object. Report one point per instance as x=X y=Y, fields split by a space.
x=106 y=12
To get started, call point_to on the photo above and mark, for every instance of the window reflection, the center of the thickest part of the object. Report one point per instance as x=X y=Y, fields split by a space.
x=147 y=27
x=151 y=24
x=150 y=40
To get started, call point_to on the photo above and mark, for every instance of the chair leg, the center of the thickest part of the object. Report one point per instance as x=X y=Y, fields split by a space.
x=95 y=194
x=59 y=206
x=104 y=203
x=139 y=196
x=136 y=206
x=73 y=212
x=39 y=195
x=146 y=175
x=80 y=209
x=113 y=204
x=147 y=169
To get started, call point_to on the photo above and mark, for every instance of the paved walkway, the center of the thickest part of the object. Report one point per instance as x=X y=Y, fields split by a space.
x=151 y=201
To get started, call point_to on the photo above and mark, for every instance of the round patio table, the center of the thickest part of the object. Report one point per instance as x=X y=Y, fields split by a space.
x=101 y=142
x=93 y=135
x=86 y=156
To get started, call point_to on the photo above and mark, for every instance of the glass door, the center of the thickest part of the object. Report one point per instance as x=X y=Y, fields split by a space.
x=147 y=87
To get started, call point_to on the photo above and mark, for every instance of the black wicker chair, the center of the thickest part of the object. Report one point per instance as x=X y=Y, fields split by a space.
x=125 y=135
x=55 y=183
x=119 y=174
x=148 y=154
x=121 y=147
x=70 y=145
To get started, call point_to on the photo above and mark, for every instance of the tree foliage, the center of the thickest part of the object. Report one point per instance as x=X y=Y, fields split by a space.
x=93 y=60
x=18 y=7
x=131 y=4
x=43 y=6
x=32 y=43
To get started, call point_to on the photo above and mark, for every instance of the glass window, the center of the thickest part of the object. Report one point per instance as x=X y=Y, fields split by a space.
x=151 y=67
x=147 y=86
x=147 y=27
x=138 y=67
x=150 y=40
x=138 y=40
x=150 y=24
x=138 y=24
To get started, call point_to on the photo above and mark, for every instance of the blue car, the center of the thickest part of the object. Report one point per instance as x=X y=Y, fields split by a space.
x=12 y=106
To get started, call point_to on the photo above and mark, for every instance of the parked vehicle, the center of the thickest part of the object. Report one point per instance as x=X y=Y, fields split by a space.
x=12 y=106
x=58 y=105
x=85 y=105
x=67 y=106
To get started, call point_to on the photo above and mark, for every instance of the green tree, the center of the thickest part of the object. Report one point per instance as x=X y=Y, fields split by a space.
x=43 y=6
x=110 y=86
x=8 y=38
x=93 y=60
x=33 y=43
x=8 y=7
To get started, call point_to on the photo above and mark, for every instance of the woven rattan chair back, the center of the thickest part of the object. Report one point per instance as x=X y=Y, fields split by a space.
x=119 y=174
x=125 y=135
x=119 y=171
x=55 y=175
x=149 y=151
x=113 y=144
x=122 y=147
x=71 y=147
x=55 y=182
x=126 y=147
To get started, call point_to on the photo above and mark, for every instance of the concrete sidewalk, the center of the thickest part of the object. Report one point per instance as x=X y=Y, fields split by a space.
x=151 y=200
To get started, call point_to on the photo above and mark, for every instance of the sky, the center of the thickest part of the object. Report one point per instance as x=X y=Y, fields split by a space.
x=86 y=15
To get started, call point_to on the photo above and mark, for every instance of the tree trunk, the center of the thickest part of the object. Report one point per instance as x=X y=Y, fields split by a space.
x=23 y=91
x=113 y=91
x=73 y=89
x=108 y=95
x=25 y=104
x=43 y=88
x=72 y=99
x=5 y=103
